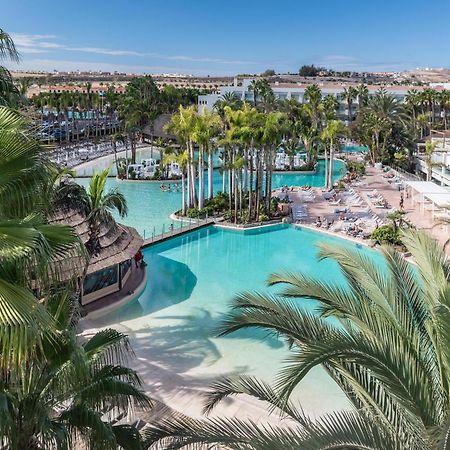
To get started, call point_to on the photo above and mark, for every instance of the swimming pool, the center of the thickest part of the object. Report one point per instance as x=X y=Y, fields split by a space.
x=191 y=280
x=355 y=149
x=149 y=208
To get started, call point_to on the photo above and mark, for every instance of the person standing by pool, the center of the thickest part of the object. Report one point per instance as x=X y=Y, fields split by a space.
x=401 y=201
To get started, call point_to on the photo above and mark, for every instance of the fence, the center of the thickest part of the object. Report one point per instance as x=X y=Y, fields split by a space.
x=186 y=225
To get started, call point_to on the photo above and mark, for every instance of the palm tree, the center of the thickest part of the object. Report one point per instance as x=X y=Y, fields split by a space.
x=413 y=101
x=423 y=122
x=98 y=204
x=362 y=96
x=183 y=124
x=115 y=138
x=228 y=99
x=330 y=105
x=313 y=96
x=444 y=103
x=349 y=95
x=429 y=152
x=181 y=157
x=8 y=90
x=430 y=97
x=386 y=347
x=206 y=130
x=330 y=134
x=28 y=244
x=69 y=391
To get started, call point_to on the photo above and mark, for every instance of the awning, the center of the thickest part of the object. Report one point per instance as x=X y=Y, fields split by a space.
x=439 y=199
x=427 y=187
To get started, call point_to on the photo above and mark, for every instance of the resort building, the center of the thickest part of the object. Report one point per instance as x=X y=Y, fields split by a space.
x=440 y=159
x=113 y=269
x=297 y=91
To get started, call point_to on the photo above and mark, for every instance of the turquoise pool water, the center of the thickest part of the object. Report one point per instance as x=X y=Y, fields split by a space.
x=149 y=208
x=355 y=149
x=191 y=280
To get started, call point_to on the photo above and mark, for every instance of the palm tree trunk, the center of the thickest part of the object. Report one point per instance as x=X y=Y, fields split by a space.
x=193 y=199
x=183 y=193
x=250 y=186
x=210 y=176
x=330 y=173
x=201 y=180
x=326 y=167
x=115 y=157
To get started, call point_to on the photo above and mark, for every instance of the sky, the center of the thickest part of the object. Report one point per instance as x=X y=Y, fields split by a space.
x=227 y=37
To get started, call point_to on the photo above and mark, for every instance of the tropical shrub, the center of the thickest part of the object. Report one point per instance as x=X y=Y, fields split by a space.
x=356 y=167
x=386 y=234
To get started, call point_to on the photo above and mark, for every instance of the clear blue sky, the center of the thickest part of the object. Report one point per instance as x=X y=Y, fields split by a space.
x=228 y=36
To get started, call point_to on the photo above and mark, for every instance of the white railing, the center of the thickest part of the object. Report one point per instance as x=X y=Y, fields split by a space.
x=185 y=225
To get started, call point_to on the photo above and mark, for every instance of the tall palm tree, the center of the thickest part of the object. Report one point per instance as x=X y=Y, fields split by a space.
x=117 y=138
x=183 y=124
x=444 y=103
x=313 y=97
x=387 y=348
x=330 y=134
x=430 y=147
x=348 y=96
x=330 y=105
x=181 y=157
x=206 y=130
x=362 y=96
x=412 y=100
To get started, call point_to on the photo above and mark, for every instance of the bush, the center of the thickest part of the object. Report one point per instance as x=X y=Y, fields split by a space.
x=219 y=202
x=356 y=167
x=386 y=234
x=263 y=217
x=195 y=213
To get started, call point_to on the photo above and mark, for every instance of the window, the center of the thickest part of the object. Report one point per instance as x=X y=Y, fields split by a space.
x=125 y=266
x=100 y=279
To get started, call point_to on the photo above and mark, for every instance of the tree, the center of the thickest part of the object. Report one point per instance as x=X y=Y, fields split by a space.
x=8 y=91
x=362 y=96
x=182 y=124
x=429 y=151
x=28 y=244
x=349 y=95
x=310 y=70
x=330 y=105
x=268 y=73
x=98 y=204
x=140 y=105
x=330 y=134
x=313 y=97
x=387 y=348
x=181 y=157
x=115 y=138
x=206 y=131
x=69 y=389
x=229 y=99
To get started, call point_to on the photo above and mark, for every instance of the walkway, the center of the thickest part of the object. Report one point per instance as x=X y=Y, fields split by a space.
x=184 y=228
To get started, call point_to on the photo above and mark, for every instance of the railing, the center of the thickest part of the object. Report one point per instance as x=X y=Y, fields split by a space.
x=406 y=175
x=186 y=225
